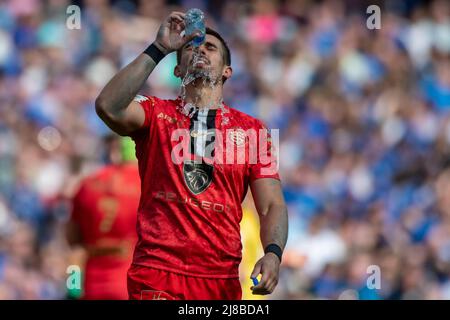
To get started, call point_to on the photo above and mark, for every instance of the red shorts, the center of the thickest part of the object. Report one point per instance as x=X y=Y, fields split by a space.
x=146 y=283
x=105 y=279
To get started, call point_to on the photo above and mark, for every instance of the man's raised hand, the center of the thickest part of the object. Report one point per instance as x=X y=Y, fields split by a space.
x=169 y=36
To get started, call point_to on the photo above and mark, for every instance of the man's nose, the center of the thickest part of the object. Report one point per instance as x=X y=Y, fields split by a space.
x=201 y=49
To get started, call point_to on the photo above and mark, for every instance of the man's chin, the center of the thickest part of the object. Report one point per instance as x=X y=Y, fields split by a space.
x=201 y=73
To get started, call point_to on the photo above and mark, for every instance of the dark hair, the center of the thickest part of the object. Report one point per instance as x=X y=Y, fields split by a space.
x=225 y=52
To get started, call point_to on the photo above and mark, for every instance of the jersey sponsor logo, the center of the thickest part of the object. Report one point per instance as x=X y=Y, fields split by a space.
x=197 y=175
x=203 y=204
x=166 y=117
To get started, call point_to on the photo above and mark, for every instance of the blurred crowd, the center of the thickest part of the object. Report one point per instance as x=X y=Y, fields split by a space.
x=364 y=119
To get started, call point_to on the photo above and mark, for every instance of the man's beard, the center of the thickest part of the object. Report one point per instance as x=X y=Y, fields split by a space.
x=207 y=74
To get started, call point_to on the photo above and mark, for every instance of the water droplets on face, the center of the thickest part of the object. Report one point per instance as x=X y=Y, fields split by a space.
x=192 y=73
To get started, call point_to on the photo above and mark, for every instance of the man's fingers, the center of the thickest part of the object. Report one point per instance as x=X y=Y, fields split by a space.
x=177 y=18
x=269 y=278
x=266 y=286
x=258 y=287
x=271 y=285
x=265 y=278
x=174 y=18
x=188 y=38
x=192 y=36
x=178 y=27
x=179 y=13
x=262 y=285
x=261 y=291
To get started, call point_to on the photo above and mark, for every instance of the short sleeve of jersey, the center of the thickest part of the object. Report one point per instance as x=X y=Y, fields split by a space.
x=266 y=165
x=148 y=105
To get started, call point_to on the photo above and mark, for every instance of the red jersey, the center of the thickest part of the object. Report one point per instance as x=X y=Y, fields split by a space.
x=190 y=210
x=105 y=209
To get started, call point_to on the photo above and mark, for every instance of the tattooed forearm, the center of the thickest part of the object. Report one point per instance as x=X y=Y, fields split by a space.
x=269 y=201
x=124 y=86
x=114 y=104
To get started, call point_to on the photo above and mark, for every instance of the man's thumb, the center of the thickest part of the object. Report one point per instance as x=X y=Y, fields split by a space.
x=191 y=37
x=256 y=270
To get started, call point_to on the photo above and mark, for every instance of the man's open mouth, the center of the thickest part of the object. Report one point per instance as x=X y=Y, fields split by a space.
x=200 y=61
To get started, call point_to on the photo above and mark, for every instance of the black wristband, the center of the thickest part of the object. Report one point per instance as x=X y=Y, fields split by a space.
x=154 y=53
x=274 y=248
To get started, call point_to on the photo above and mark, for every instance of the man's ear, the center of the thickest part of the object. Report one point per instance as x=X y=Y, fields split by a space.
x=177 y=71
x=227 y=72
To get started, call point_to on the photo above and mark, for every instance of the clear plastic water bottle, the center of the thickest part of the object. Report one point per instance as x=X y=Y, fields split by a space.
x=195 y=21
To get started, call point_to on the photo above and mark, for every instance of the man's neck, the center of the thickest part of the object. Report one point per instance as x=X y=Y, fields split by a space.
x=203 y=95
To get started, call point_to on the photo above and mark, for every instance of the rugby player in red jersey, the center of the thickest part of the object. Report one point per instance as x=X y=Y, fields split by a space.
x=103 y=222
x=189 y=244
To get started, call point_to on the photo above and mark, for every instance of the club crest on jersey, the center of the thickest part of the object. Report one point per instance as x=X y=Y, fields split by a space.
x=197 y=175
x=237 y=136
